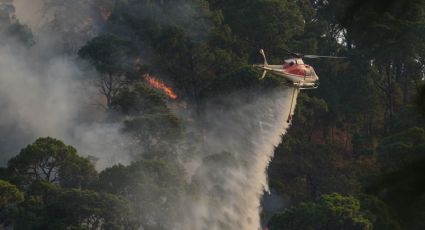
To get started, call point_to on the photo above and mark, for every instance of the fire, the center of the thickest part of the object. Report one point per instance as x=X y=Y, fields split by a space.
x=157 y=84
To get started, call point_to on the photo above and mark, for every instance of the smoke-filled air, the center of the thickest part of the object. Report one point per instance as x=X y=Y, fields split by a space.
x=208 y=114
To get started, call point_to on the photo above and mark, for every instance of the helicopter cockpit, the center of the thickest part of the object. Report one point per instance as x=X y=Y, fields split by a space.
x=291 y=61
x=294 y=61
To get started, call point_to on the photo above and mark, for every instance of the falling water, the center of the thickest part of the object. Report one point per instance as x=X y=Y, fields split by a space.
x=238 y=144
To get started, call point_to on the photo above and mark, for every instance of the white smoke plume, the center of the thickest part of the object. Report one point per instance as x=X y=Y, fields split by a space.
x=43 y=92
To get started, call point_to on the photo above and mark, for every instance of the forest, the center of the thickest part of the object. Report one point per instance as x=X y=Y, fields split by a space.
x=353 y=156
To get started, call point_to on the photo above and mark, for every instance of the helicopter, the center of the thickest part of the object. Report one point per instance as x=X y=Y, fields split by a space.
x=298 y=75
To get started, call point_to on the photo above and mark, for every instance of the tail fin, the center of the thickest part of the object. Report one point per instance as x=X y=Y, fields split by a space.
x=264 y=56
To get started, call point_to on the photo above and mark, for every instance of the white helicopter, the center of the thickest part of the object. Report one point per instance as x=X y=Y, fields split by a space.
x=294 y=71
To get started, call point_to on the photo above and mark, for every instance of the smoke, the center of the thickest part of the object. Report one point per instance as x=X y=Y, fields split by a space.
x=30 y=12
x=238 y=144
x=44 y=92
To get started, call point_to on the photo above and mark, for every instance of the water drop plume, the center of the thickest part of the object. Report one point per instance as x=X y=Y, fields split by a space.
x=237 y=146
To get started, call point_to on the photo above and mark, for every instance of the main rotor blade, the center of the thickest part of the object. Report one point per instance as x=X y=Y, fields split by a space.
x=318 y=56
x=291 y=53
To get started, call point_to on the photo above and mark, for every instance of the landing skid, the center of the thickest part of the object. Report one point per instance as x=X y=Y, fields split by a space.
x=295 y=87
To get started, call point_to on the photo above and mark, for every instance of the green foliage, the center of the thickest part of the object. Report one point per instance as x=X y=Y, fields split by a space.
x=407 y=117
x=149 y=127
x=115 y=59
x=10 y=197
x=51 y=160
x=311 y=114
x=268 y=24
x=141 y=100
x=244 y=78
x=154 y=185
x=150 y=122
x=401 y=188
x=416 y=215
x=383 y=216
x=9 y=194
x=84 y=209
x=70 y=209
x=190 y=42
x=402 y=148
x=332 y=211
x=370 y=127
x=305 y=171
x=109 y=54
x=421 y=100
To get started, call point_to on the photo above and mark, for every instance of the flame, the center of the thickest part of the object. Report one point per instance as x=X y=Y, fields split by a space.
x=157 y=84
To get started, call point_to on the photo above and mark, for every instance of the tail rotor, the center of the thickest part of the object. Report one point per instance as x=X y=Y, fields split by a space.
x=265 y=63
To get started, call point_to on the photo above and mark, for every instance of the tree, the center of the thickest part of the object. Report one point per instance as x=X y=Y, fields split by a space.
x=149 y=120
x=73 y=23
x=305 y=171
x=140 y=100
x=32 y=212
x=310 y=111
x=48 y=206
x=154 y=189
x=332 y=211
x=396 y=61
x=416 y=215
x=51 y=160
x=85 y=209
x=114 y=59
x=421 y=100
x=10 y=197
x=401 y=158
x=268 y=24
x=192 y=44
x=9 y=194
x=383 y=216
x=400 y=149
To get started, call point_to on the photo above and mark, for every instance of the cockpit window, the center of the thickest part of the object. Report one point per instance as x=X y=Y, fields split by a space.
x=294 y=61
x=290 y=60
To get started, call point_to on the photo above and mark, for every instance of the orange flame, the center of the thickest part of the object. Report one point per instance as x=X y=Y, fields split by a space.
x=157 y=84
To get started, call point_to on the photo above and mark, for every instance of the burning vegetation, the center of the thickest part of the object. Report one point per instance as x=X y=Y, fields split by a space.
x=158 y=84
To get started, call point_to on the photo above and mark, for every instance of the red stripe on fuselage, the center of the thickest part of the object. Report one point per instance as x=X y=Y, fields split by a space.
x=297 y=69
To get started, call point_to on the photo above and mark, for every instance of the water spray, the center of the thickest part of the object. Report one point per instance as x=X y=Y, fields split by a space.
x=242 y=140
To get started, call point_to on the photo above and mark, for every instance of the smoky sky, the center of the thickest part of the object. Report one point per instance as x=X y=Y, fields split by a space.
x=45 y=92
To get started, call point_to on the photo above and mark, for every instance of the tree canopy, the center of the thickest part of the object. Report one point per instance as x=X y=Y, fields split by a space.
x=51 y=160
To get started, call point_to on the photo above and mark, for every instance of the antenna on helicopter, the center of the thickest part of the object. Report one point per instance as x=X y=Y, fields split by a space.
x=311 y=56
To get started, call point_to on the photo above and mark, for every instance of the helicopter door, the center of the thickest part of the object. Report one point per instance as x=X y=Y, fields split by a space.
x=307 y=73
